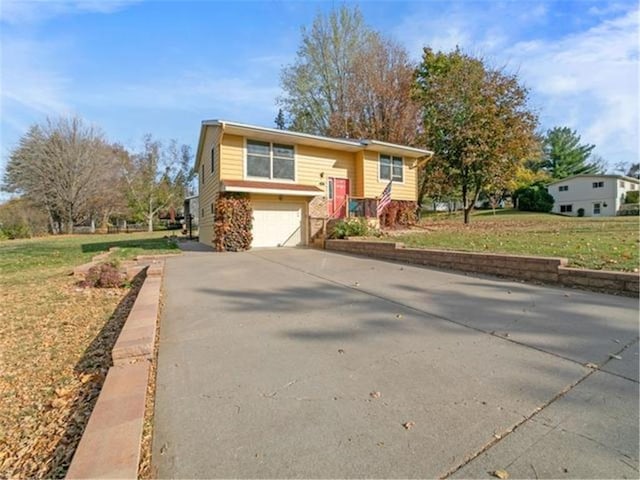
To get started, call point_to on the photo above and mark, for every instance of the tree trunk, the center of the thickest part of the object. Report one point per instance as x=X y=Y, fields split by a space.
x=150 y=216
x=70 y=222
x=465 y=202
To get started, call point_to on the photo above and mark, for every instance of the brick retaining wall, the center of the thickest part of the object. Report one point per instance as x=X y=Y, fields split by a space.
x=519 y=267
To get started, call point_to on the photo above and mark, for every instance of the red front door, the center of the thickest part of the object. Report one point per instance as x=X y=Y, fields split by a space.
x=338 y=190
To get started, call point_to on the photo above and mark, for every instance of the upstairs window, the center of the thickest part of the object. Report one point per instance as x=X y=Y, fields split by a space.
x=202 y=176
x=272 y=161
x=391 y=168
x=622 y=185
x=632 y=186
x=213 y=159
x=563 y=188
x=597 y=184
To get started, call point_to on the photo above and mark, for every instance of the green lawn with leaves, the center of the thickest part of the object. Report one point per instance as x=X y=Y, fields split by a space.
x=604 y=243
x=55 y=343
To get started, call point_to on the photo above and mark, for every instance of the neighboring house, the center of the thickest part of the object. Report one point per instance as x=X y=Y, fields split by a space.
x=295 y=180
x=598 y=195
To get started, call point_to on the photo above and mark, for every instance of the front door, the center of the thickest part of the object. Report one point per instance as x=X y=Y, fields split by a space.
x=337 y=192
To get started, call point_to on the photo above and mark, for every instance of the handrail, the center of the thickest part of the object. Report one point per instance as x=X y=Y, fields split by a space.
x=345 y=201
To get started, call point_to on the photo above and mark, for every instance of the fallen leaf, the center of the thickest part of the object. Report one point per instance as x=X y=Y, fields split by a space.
x=63 y=392
x=617 y=357
x=340 y=351
x=357 y=283
x=375 y=394
x=398 y=316
x=500 y=474
x=590 y=365
x=86 y=378
x=408 y=425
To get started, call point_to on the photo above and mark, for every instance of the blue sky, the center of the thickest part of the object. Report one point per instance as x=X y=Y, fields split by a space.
x=161 y=67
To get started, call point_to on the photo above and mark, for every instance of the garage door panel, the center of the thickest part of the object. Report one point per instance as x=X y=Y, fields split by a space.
x=277 y=224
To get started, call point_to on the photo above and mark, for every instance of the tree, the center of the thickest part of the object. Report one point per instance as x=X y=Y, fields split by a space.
x=62 y=166
x=564 y=156
x=634 y=170
x=349 y=81
x=475 y=119
x=156 y=178
x=534 y=198
x=279 y=120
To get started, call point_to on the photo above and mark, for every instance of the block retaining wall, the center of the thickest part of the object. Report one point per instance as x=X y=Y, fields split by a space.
x=518 y=267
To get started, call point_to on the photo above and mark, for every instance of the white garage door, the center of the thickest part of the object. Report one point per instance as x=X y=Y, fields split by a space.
x=277 y=224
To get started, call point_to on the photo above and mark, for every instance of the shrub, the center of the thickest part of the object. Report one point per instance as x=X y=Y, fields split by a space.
x=534 y=198
x=352 y=227
x=581 y=212
x=632 y=197
x=105 y=275
x=398 y=212
x=233 y=223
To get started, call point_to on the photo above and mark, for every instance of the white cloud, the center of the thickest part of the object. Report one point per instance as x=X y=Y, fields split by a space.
x=32 y=11
x=589 y=81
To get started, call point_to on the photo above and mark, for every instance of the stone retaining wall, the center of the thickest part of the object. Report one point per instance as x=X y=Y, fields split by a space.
x=519 y=267
x=110 y=446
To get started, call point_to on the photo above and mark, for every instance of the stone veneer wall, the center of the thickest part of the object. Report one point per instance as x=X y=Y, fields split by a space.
x=519 y=267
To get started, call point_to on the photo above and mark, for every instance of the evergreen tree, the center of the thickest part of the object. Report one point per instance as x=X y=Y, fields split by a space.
x=564 y=156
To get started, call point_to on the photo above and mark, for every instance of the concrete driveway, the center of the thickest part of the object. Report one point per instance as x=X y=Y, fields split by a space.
x=270 y=361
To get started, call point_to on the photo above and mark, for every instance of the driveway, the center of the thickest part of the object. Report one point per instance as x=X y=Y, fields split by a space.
x=305 y=363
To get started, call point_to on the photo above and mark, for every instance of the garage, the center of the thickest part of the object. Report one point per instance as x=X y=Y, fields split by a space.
x=277 y=224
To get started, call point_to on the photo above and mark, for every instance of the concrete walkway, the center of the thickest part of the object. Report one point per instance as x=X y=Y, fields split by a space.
x=302 y=363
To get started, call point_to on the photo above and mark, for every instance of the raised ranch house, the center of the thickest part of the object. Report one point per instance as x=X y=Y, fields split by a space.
x=598 y=195
x=295 y=181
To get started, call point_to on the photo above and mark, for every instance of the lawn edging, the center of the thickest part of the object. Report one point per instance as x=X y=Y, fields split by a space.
x=110 y=446
x=518 y=267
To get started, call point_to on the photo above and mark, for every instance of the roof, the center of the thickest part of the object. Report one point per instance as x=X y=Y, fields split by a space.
x=597 y=175
x=270 y=187
x=350 y=145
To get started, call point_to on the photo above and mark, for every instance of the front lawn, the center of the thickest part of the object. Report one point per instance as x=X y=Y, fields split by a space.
x=55 y=344
x=609 y=243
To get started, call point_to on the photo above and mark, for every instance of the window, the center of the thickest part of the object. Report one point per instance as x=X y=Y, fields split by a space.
x=633 y=186
x=330 y=189
x=202 y=212
x=270 y=160
x=596 y=209
x=563 y=188
x=212 y=208
x=566 y=208
x=622 y=185
x=202 y=176
x=213 y=159
x=597 y=184
x=391 y=168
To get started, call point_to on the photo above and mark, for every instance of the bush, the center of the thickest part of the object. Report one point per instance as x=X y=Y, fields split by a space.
x=233 y=223
x=534 y=198
x=105 y=275
x=581 y=212
x=398 y=212
x=352 y=227
x=632 y=197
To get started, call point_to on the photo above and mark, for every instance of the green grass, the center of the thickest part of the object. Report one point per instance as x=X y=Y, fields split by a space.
x=609 y=243
x=24 y=260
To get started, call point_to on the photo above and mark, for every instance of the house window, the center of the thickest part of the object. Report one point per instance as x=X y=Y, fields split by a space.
x=213 y=159
x=202 y=212
x=566 y=208
x=212 y=208
x=596 y=209
x=597 y=184
x=330 y=189
x=202 y=176
x=633 y=186
x=563 y=188
x=391 y=168
x=622 y=185
x=273 y=161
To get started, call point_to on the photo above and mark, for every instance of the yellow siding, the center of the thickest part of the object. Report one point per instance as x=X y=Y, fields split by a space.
x=232 y=157
x=312 y=161
x=358 y=190
x=208 y=191
x=400 y=191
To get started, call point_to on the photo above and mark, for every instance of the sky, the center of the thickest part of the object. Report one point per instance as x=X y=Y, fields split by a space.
x=161 y=67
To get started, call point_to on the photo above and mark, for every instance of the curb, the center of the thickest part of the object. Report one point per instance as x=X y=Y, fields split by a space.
x=110 y=446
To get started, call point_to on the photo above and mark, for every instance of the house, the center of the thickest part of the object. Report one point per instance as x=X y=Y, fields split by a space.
x=598 y=195
x=296 y=181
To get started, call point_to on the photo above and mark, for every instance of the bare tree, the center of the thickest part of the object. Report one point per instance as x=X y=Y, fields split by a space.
x=61 y=165
x=156 y=178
